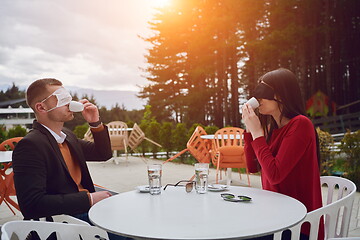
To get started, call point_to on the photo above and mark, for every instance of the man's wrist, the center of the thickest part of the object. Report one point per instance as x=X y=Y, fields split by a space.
x=95 y=124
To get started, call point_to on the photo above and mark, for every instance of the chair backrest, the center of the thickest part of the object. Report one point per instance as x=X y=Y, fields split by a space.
x=198 y=147
x=64 y=231
x=117 y=128
x=118 y=135
x=9 y=143
x=337 y=209
x=229 y=136
x=63 y=218
x=88 y=136
x=224 y=140
x=136 y=137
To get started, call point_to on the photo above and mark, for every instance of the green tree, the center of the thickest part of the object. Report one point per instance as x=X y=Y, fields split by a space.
x=206 y=56
x=144 y=124
x=80 y=130
x=211 y=129
x=17 y=131
x=350 y=145
x=165 y=137
x=153 y=132
x=3 y=133
x=179 y=138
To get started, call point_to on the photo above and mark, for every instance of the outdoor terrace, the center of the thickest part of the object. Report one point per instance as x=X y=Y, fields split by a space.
x=132 y=172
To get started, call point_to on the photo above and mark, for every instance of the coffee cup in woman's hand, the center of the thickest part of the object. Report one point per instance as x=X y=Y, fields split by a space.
x=253 y=102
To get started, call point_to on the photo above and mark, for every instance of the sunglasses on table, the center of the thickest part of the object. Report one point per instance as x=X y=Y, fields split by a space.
x=188 y=186
x=232 y=198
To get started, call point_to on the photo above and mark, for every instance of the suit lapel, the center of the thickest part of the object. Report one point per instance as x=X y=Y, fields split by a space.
x=53 y=144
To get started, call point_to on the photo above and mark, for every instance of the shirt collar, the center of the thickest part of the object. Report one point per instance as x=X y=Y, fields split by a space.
x=59 y=139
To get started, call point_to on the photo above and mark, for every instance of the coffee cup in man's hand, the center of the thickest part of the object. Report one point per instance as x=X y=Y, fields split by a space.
x=76 y=106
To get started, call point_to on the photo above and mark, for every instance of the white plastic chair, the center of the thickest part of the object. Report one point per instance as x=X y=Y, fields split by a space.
x=63 y=218
x=336 y=210
x=63 y=231
x=136 y=137
x=345 y=238
x=118 y=137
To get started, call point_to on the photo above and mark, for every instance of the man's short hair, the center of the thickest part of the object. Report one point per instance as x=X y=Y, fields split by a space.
x=35 y=91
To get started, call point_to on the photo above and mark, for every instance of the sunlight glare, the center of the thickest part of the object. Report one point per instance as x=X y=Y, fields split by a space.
x=161 y=3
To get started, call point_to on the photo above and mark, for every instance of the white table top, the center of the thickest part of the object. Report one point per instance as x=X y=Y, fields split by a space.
x=5 y=156
x=212 y=136
x=175 y=214
x=119 y=129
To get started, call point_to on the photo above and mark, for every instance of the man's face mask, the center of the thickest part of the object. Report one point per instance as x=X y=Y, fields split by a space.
x=63 y=98
x=264 y=91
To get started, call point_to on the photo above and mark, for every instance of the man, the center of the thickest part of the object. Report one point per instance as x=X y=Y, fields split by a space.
x=50 y=172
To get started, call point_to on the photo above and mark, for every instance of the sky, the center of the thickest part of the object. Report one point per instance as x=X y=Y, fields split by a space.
x=83 y=43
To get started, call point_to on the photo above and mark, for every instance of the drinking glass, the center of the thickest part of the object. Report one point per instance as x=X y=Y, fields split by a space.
x=154 y=175
x=201 y=176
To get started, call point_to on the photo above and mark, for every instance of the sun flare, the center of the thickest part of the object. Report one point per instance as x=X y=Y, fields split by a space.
x=161 y=3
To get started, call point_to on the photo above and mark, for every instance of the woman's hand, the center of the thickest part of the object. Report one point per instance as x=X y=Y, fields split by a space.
x=252 y=122
x=90 y=112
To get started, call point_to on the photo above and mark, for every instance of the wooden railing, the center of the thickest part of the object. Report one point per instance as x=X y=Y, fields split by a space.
x=339 y=124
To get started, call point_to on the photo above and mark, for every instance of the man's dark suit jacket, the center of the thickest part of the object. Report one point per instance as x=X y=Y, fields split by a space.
x=43 y=183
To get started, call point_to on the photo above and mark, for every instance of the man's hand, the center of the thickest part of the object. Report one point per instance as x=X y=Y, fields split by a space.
x=90 y=112
x=98 y=196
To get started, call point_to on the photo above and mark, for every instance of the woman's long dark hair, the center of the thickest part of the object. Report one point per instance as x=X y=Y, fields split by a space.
x=290 y=101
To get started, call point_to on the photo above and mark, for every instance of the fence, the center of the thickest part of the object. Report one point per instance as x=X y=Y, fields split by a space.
x=339 y=124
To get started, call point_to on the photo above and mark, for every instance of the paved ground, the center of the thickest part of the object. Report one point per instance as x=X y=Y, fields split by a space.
x=132 y=172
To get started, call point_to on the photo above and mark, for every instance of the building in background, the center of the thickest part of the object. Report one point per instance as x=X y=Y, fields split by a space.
x=12 y=116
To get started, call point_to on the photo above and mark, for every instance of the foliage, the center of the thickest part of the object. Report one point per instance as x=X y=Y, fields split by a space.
x=80 y=130
x=17 y=131
x=179 y=138
x=130 y=123
x=192 y=129
x=13 y=93
x=165 y=137
x=144 y=123
x=3 y=133
x=205 y=56
x=211 y=129
x=326 y=142
x=350 y=146
x=153 y=132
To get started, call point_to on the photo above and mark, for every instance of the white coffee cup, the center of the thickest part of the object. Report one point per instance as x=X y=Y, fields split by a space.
x=76 y=106
x=253 y=102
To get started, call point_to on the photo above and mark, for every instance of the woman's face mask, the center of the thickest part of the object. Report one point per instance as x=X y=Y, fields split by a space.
x=63 y=98
x=264 y=91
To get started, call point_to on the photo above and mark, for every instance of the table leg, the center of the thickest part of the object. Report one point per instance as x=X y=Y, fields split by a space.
x=228 y=180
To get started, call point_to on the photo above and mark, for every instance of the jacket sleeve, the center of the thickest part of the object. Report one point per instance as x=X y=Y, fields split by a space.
x=32 y=176
x=100 y=149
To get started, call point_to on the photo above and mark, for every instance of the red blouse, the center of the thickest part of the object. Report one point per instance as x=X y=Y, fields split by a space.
x=288 y=163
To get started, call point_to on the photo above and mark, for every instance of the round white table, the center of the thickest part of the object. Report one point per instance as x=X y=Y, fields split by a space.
x=5 y=156
x=175 y=214
x=212 y=136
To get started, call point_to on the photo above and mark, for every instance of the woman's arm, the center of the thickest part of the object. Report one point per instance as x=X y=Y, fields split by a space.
x=292 y=149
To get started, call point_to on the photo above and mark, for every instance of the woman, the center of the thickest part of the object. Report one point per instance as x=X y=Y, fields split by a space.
x=281 y=141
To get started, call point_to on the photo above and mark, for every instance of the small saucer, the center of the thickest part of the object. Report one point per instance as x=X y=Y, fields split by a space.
x=217 y=188
x=143 y=189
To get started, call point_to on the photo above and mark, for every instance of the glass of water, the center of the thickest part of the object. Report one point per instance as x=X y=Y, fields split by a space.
x=154 y=175
x=201 y=176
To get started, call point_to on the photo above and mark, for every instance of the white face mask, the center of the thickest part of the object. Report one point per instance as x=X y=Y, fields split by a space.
x=63 y=98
